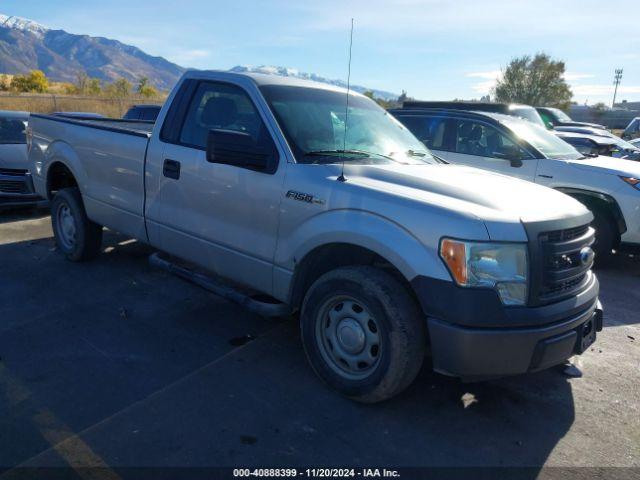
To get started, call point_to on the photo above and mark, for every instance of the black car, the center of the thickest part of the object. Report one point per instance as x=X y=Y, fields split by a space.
x=513 y=109
x=147 y=113
x=554 y=117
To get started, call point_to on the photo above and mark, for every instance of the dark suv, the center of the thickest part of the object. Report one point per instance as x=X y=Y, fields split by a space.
x=513 y=109
x=147 y=113
x=554 y=117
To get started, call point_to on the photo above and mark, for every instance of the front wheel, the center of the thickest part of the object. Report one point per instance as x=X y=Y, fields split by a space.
x=605 y=235
x=76 y=236
x=363 y=333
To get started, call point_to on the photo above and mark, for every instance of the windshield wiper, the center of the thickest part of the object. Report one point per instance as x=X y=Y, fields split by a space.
x=323 y=153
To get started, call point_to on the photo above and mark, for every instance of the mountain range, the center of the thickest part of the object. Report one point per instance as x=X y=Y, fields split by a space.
x=27 y=45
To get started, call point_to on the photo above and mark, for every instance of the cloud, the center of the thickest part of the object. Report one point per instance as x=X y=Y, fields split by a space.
x=604 y=89
x=195 y=54
x=572 y=76
x=490 y=75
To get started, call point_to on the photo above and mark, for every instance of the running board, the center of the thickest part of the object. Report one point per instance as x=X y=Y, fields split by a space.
x=214 y=285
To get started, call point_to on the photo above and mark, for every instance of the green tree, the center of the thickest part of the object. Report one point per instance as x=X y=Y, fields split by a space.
x=35 y=81
x=145 y=89
x=4 y=83
x=86 y=85
x=121 y=88
x=537 y=81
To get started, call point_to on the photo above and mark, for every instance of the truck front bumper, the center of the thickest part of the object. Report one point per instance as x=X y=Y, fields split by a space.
x=519 y=340
x=479 y=353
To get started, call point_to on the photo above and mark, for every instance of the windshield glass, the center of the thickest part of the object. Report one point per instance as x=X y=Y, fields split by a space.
x=313 y=121
x=560 y=115
x=528 y=113
x=13 y=130
x=543 y=140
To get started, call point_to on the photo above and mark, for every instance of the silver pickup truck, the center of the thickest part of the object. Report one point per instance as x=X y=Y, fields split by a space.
x=384 y=251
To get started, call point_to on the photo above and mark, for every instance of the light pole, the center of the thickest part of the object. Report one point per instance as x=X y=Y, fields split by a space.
x=617 y=78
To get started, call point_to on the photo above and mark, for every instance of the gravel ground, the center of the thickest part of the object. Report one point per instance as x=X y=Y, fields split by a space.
x=116 y=364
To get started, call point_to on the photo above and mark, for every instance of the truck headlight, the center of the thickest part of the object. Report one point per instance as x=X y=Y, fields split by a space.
x=501 y=266
x=634 y=182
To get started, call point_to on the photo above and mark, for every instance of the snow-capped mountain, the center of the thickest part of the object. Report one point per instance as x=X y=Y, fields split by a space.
x=26 y=45
x=292 y=72
x=22 y=24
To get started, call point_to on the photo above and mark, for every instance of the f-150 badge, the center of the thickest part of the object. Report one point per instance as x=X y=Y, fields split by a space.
x=304 y=197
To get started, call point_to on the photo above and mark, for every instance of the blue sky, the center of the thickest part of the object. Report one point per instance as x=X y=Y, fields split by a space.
x=433 y=49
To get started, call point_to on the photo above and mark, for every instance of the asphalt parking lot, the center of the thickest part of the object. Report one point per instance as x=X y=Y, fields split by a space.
x=116 y=364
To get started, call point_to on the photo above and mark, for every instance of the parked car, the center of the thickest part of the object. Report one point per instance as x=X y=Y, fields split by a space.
x=609 y=187
x=143 y=112
x=16 y=186
x=635 y=142
x=586 y=131
x=554 y=117
x=382 y=248
x=517 y=110
x=633 y=129
x=608 y=145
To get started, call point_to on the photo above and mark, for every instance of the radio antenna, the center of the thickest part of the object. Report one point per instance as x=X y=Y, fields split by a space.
x=346 y=109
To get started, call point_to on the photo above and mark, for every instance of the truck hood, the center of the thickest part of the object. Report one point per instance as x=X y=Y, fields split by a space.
x=609 y=165
x=13 y=156
x=488 y=196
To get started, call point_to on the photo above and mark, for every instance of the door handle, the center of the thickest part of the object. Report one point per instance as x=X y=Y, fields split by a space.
x=171 y=169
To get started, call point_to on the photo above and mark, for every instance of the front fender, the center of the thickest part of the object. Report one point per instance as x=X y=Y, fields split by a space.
x=360 y=228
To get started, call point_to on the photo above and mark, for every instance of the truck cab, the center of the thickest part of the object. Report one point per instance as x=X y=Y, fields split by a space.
x=381 y=250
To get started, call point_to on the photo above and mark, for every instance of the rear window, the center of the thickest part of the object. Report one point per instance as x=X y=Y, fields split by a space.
x=13 y=130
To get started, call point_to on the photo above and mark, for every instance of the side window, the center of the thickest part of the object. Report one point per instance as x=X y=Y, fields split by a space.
x=429 y=130
x=475 y=138
x=224 y=107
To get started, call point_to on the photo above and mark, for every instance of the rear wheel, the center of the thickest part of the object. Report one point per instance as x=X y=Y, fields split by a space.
x=363 y=333
x=76 y=236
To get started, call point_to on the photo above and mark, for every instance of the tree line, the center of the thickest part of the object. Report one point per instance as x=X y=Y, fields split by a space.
x=37 y=82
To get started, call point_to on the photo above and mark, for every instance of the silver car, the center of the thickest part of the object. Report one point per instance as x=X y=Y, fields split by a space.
x=16 y=186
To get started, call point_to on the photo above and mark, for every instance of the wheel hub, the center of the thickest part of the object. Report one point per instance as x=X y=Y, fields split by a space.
x=348 y=337
x=351 y=335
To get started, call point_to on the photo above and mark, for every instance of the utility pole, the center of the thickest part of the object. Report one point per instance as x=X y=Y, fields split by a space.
x=617 y=78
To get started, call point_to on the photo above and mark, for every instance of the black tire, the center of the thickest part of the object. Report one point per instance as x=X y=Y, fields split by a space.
x=399 y=327
x=86 y=240
x=606 y=236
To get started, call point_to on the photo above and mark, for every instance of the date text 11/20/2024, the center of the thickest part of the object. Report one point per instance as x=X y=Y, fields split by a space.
x=317 y=472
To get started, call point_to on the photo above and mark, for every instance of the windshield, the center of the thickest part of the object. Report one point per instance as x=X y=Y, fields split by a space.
x=560 y=115
x=543 y=140
x=13 y=130
x=528 y=113
x=313 y=121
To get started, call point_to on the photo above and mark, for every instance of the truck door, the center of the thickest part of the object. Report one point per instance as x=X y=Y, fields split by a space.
x=482 y=145
x=222 y=217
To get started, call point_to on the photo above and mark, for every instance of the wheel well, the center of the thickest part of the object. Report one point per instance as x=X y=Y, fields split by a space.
x=605 y=205
x=335 y=255
x=59 y=177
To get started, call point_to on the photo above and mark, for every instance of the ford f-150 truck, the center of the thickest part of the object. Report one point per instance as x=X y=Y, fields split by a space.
x=384 y=251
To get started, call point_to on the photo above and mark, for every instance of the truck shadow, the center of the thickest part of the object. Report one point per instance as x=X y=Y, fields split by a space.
x=8 y=215
x=619 y=293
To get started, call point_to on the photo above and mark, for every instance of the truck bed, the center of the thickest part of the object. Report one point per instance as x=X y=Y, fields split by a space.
x=131 y=127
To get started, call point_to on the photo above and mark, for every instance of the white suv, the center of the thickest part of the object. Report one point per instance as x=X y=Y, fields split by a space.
x=609 y=187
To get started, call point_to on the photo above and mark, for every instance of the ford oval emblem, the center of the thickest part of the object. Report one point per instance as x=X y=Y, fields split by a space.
x=586 y=256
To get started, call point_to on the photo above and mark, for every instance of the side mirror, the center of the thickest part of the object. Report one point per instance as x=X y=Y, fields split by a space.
x=515 y=158
x=231 y=147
